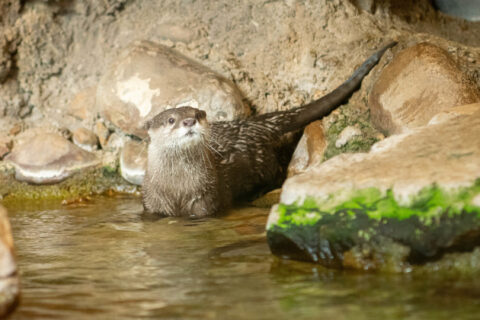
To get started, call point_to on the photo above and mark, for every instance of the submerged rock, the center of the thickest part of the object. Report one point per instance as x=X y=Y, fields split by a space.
x=48 y=158
x=149 y=78
x=413 y=198
x=9 y=284
x=420 y=82
x=133 y=162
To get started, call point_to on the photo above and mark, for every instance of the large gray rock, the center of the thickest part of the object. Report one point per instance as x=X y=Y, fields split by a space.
x=9 y=284
x=149 y=78
x=411 y=199
x=420 y=82
x=45 y=157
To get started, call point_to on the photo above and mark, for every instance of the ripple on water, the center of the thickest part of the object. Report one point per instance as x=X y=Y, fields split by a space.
x=106 y=259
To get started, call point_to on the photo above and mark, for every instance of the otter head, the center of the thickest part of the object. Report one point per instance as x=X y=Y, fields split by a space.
x=178 y=128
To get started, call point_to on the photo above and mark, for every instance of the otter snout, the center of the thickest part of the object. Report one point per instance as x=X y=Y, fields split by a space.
x=189 y=122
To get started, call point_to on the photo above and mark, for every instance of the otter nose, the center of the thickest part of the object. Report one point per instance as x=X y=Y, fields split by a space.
x=189 y=122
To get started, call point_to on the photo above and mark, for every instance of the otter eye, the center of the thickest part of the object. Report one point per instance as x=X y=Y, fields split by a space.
x=171 y=120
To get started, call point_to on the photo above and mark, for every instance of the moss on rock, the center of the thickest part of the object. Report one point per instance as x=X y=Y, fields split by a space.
x=366 y=228
x=87 y=182
x=349 y=115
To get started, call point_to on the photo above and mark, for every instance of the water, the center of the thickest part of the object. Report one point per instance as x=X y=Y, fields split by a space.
x=105 y=259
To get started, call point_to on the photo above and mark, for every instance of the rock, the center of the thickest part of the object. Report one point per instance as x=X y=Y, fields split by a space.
x=16 y=129
x=5 y=146
x=41 y=53
x=366 y=5
x=420 y=82
x=310 y=148
x=85 y=139
x=48 y=158
x=102 y=133
x=454 y=112
x=115 y=142
x=133 y=162
x=268 y=199
x=9 y=284
x=149 y=78
x=83 y=105
x=346 y=135
x=410 y=200
x=466 y=9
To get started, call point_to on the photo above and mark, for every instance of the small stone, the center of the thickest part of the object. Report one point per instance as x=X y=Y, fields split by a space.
x=85 y=139
x=9 y=282
x=346 y=135
x=115 y=142
x=48 y=158
x=148 y=78
x=420 y=82
x=133 y=162
x=268 y=199
x=102 y=133
x=310 y=149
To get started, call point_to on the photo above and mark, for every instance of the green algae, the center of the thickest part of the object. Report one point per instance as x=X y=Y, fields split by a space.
x=353 y=230
x=350 y=116
x=82 y=184
x=429 y=204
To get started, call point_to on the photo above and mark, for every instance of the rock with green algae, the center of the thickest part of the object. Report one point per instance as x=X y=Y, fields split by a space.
x=410 y=201
x=87 y=182
x=372 y=230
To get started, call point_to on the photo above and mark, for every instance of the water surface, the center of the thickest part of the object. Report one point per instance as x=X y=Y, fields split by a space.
x=105 y=259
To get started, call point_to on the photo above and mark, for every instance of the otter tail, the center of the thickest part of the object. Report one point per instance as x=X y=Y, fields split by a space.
x=297 y=118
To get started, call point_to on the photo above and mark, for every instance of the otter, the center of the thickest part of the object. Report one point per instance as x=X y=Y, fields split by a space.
x=197 y=169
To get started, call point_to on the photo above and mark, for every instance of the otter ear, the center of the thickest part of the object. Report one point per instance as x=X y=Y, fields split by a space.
x=147 y=124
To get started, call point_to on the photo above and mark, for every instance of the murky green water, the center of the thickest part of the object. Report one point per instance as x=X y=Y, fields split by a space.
x=106 y=260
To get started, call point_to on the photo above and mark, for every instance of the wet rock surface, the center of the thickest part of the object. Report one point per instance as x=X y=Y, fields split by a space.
x=420 y=82
x=412 y=199
x=9 y=283
x=149 y=78
x=45 y=157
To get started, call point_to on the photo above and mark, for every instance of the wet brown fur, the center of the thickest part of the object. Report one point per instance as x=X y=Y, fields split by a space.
x=202 y=171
